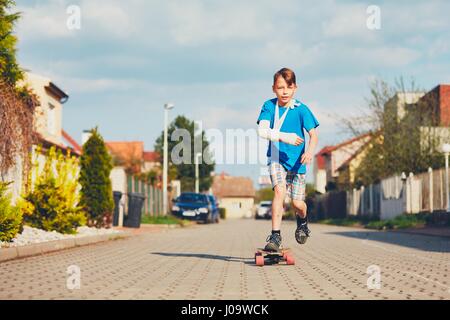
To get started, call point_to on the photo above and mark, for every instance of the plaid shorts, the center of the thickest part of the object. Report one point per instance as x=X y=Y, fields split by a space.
x=295 y=182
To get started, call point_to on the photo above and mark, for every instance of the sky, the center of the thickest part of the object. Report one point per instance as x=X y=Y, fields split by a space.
x=215 y=60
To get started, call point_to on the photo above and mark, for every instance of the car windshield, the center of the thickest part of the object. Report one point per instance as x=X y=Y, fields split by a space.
x=266 y=204
x=192 y=197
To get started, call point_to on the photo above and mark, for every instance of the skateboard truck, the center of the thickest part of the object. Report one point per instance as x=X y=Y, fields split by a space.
x=284 y=256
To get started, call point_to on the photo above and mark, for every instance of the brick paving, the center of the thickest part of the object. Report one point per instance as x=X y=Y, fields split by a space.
x=216 y=262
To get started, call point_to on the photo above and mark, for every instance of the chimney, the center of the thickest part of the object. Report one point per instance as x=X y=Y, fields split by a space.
x=85 y=136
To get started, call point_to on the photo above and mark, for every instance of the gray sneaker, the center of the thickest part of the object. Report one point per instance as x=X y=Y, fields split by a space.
x=274 y=242
x=302 y=233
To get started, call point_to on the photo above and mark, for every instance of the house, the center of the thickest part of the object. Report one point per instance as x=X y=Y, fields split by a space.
x=235 y=194
x=47 y=124
x=434 y=106
x=131 y=164
x=330 y=158
x=128 y=154
x=347 y=171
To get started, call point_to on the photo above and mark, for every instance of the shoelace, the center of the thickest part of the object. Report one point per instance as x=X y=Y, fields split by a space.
x=274 y=238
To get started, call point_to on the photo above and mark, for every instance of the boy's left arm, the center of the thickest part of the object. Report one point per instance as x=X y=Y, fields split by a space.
x=307 y=156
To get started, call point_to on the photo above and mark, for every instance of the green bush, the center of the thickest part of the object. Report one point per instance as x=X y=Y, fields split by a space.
x=52 y=202
x=10 y=216
x=96 y=187
x=399 y=222
x=223 y=213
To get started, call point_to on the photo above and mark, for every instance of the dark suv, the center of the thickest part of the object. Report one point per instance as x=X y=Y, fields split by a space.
x=194 y=206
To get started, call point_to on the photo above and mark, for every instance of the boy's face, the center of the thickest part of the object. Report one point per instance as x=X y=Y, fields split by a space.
x=283 y=92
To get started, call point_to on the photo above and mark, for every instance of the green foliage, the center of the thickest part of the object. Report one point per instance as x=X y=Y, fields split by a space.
x=52 y=202
x=10 y=216
x=9 y=69
x=264 y=194
x=169 y=219
x=185 y=172
x=397 y=144
x=96 y=187
x=223 y=213
x=400 y=222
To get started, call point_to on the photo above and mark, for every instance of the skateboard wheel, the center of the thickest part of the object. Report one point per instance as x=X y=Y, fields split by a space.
x=259 y=260
x=290 y=260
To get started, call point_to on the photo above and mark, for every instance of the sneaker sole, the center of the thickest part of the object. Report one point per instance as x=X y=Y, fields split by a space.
x=301 y=237
x=272 y=248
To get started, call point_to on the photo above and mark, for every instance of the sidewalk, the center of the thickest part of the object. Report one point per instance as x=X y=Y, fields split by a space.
x=10 y=253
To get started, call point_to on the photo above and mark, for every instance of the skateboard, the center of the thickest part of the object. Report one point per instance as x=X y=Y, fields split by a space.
x=263 y=257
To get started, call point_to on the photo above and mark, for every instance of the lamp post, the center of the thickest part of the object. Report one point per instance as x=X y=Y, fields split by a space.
x=446 y=150
x=167 y=107
x=197 y=155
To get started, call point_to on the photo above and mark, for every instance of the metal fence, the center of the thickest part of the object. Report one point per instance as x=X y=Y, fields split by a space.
x=393 y=196
x=153 y=204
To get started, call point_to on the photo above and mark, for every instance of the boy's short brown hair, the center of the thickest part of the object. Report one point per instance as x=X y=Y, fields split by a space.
x=287 y=74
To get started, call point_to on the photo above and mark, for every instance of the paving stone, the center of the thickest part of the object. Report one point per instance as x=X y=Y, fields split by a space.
x=217 y=262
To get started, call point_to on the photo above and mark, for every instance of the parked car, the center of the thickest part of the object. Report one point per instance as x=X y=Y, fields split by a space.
x=264 y=210
x=215 y=208
x=194 y=206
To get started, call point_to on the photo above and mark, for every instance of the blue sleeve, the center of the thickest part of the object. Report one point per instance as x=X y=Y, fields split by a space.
x=309 y=121
x=265 y=114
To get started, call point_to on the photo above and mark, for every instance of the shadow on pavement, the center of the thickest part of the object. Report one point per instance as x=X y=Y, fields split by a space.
x=415 y=241
x=250 y=261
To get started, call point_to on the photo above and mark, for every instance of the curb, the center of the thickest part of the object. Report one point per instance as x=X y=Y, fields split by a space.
x=167 y=226
x=56 y=245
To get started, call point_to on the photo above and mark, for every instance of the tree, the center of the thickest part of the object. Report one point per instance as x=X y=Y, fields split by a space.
x=9 y=69
x=96 y=188
x=399 y=140
x=185 y=172
x=17 y=104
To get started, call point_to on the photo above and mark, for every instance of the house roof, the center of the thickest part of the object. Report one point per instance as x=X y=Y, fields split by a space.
x=354 y=155
x=126 y=149
x=48 y=144
x=151 y=156
x=228 y=186
x=72 y=143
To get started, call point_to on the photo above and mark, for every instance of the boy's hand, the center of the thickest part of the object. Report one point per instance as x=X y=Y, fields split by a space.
x=306 y=158
x=291 y=138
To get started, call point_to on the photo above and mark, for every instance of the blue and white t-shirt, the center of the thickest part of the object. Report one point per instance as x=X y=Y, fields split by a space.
x=298 y=118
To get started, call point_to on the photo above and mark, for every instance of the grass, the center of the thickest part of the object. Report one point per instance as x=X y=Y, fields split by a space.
x=169 y=219
x=346 y=222
x=400 y=222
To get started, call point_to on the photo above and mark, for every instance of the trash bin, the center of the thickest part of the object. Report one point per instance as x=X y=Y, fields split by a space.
x=135 y=202
x=117 y=196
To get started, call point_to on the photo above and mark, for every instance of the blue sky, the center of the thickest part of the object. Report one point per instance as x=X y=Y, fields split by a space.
x=215 y=59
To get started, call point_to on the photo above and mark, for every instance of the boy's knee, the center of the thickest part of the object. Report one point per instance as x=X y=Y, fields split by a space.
x=280 y=191
x=300 y=205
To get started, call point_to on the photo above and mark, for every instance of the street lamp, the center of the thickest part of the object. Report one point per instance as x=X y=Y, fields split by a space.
x=197 y=155
x=167 y=107
x=446 y=150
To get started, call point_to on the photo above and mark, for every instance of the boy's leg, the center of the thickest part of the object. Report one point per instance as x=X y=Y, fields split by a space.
x=277 y=205
x=278 y=179
x=297 y=186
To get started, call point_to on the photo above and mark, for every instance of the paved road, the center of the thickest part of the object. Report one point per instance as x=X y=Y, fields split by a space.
x=216 y=262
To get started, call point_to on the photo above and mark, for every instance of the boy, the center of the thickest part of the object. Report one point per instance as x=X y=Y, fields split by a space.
x=282 y=121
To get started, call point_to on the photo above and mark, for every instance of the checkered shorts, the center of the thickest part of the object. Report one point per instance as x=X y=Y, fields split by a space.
x=295 y=182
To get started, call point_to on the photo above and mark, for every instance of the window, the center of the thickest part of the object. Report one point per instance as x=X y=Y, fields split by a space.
x=51 y=119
